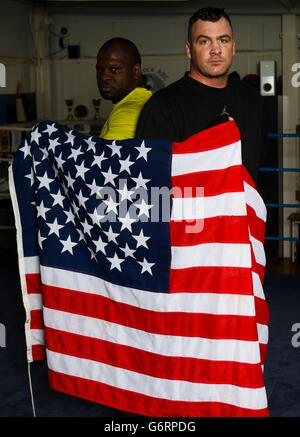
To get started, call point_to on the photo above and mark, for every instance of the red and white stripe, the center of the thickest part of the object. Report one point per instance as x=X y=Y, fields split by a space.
x=196 y=351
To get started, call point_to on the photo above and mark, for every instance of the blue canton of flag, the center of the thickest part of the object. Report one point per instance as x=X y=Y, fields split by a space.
x=93 y=207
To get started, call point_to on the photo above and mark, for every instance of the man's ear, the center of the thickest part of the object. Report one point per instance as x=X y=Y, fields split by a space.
x=137 y=71
x=187 y=49
x=233 y=47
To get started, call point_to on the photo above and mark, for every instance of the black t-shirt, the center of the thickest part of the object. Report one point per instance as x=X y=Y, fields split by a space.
x=187 y=106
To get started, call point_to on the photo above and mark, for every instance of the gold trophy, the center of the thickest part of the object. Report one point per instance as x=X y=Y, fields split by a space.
x=97 y=103
x=70 y=103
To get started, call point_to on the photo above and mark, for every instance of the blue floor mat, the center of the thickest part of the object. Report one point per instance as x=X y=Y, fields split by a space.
x=282 y=368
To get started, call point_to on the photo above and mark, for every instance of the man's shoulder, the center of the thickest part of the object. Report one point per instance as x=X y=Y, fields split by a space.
x=169 y=91
x=246 y=91
x=133 y=101
x=137 y=97
x=140 y=94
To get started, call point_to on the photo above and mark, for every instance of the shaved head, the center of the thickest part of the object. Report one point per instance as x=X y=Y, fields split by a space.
x=118 y=69
x=127 y=47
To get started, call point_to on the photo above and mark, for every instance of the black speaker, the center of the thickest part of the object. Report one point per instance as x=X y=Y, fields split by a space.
x=74 y=51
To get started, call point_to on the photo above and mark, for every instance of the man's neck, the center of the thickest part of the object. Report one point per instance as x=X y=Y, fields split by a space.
x=214 y=82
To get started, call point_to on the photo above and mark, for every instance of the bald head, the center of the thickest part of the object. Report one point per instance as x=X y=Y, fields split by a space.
x=118 y=69
x=127 y=47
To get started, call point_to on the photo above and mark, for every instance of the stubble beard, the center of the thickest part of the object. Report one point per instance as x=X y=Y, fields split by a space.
x=209 y=75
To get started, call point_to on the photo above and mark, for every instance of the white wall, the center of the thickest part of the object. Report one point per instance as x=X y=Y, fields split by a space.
x=257 y=39
x=160 y=40
x=16 y=46
x=161 y=46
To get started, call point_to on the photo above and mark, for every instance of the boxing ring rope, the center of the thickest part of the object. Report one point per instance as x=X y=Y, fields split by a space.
x=294 y=217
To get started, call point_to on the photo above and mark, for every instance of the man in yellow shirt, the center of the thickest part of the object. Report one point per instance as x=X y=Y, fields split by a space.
x=119 y=79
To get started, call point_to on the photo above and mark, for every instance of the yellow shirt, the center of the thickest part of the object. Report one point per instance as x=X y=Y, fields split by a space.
x=122 y=120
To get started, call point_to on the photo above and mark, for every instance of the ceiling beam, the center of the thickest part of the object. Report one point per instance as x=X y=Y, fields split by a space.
x=287 y=4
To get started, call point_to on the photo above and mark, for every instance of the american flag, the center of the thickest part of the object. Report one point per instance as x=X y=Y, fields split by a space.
x=149 y=311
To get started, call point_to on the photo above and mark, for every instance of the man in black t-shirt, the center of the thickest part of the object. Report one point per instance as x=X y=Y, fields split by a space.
x=207 y=91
